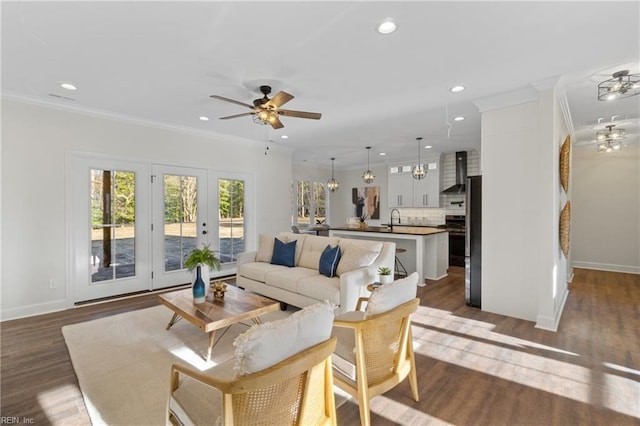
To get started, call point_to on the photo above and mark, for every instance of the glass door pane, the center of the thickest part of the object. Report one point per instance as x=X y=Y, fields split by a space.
x=231 y=219
x=113 y=220
x=180 y=214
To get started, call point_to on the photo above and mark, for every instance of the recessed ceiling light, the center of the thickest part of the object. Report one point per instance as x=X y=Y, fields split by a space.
x=383 y=153
x=456 y=89
x=68 y=86
x=284 y=137
x=203 y=118
x=428 y=146
x=459 y=118
x=387 y=27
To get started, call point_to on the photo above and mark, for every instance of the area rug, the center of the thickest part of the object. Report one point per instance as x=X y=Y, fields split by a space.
x=123 y=361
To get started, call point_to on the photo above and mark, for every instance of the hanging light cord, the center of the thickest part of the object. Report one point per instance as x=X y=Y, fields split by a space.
x=446 y=120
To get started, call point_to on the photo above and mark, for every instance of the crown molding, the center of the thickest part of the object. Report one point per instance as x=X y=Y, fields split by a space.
x=95 y=112
x=507 y=99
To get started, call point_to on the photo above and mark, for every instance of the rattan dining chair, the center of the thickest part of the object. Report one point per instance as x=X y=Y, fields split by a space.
x=295 y=391
x=375 y=353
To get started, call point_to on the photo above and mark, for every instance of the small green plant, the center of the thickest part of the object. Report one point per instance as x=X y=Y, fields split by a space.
x=319 y=221
x=203 y=256
x=383 y=270
x=362 y=218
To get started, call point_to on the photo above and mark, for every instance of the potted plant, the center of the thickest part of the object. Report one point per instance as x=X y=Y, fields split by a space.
x=195 y=262
x=363 y=221
x=385 y=276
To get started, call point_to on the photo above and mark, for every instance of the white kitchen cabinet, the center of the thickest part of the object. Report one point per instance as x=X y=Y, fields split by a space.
x=426 y=192
x=405 y=191
x=400 y=186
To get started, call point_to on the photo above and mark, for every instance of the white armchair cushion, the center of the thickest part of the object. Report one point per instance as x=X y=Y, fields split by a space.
x=388 y=296
x=264 y=345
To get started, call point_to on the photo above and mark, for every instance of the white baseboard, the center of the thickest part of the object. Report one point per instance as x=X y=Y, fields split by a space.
x=628 y=269
x=570 y=275
x=551 y=323
x=31 y=310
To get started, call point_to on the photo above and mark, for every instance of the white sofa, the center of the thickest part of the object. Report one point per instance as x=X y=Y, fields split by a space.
x=302 y=284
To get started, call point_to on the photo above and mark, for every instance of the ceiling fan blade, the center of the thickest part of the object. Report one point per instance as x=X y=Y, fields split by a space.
x=300 y=114
x=276 y=123
x=278 y=100
x=222 y=98
x=244 y=114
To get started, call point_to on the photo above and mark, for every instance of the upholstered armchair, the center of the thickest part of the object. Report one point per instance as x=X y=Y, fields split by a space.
x=279 y=376
x=375 y=347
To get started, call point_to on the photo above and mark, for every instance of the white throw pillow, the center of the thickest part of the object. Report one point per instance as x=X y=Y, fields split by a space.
x=388 y=296
x=264 y=345
x=265 y=248
x=357 y=255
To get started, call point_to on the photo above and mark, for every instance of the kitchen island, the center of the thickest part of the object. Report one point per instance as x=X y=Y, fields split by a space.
x=427 y=248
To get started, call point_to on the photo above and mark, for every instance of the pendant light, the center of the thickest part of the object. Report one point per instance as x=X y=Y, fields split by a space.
x=419 y=171
x=332 y=184
x=368 y=176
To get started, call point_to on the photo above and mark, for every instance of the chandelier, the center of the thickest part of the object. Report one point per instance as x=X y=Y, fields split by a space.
x=609 y=140
x=332 y=184
x=419 y=171
x=622 y=85
x=368 y=176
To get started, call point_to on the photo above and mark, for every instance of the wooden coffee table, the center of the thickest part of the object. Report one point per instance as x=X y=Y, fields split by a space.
x=237 y=305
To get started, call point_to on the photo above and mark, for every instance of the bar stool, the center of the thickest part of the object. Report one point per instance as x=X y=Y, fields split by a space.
x=400 y=271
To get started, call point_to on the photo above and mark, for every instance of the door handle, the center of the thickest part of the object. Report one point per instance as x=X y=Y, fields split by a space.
x=204 y=224
x=204 y=232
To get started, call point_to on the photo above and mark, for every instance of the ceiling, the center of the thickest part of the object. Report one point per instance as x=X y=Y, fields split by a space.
x=159 y=62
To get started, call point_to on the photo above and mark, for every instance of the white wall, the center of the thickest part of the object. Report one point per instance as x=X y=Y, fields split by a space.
x=523 y=270
x=35 y=140
x=605 y=209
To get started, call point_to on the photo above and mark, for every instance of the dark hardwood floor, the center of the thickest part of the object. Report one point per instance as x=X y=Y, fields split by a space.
x=474 y=368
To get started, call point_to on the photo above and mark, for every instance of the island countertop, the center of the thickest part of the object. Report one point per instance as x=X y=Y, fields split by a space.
x=397 y=229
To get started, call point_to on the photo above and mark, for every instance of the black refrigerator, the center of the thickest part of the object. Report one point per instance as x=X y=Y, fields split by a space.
x=473 y=243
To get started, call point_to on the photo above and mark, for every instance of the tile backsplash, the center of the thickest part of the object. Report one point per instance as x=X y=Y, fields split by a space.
x=435 y=216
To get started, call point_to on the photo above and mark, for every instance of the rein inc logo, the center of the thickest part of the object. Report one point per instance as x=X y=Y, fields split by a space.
x=16 y=420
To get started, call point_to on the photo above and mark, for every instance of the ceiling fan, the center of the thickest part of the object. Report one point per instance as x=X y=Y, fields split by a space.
x=267 y=110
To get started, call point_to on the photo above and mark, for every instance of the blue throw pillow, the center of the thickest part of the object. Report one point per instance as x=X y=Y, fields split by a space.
x=329 y=260
x=284 y=253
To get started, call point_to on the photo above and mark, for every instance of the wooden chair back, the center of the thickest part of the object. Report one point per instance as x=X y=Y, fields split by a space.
x=383 y=355
x=296 y=391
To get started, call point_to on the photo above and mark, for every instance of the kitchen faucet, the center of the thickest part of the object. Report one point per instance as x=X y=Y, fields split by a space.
x=391 y=220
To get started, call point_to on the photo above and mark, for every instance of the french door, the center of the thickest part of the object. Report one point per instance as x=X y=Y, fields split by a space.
x=107 y=223
x=131 y=225
x=181 y=221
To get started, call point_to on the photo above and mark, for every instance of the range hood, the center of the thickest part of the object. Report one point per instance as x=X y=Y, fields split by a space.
x=461 y=175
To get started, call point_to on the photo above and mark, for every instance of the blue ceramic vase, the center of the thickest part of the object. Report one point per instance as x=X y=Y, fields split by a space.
x=198 y=287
